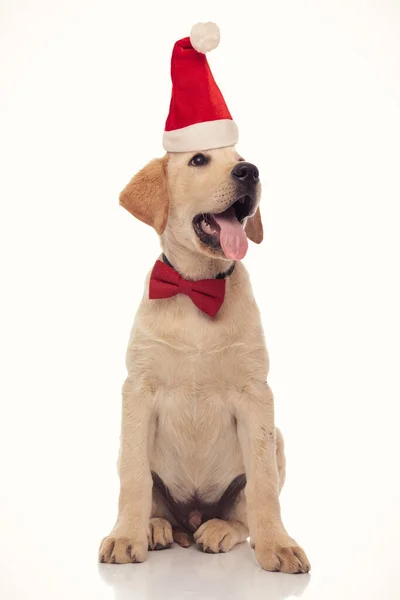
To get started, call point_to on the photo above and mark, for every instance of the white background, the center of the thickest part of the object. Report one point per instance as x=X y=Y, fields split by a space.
x=315 y=89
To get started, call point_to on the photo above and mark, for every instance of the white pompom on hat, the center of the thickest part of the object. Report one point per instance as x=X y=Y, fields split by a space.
x=205 y=37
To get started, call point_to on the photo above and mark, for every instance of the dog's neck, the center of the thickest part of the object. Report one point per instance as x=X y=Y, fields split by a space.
x=191 y=264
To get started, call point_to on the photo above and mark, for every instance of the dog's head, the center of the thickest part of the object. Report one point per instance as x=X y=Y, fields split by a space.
x=207 y=201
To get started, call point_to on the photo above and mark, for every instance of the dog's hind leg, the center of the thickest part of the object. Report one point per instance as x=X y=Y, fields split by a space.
x=163 y=526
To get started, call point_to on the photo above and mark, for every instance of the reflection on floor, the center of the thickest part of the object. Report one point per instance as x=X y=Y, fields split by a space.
x=179 y=573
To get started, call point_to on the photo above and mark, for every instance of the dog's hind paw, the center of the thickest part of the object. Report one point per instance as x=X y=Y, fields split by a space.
x=160 y=534
x=215 y=536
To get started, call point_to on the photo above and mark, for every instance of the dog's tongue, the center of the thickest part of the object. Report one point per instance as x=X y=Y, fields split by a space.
x=232 y=237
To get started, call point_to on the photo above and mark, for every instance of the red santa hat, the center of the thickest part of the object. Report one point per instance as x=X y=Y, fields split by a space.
x=198 y=116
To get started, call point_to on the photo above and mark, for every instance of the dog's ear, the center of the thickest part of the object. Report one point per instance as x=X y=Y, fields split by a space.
x=254 y=228
x=146 y=195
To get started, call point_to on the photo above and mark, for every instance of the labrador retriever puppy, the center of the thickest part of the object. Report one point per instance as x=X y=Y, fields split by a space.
x=200 y=459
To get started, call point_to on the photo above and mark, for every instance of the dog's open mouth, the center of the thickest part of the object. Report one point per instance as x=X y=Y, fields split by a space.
x=225 y=230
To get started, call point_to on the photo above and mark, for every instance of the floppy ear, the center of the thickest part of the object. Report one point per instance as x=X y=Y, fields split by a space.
x=146 y=195
x=254 y=228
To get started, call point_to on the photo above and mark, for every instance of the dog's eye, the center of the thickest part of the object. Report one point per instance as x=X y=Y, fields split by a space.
x=198 y=160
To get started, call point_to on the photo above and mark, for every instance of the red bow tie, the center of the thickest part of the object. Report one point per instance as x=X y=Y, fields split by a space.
x=207 y=294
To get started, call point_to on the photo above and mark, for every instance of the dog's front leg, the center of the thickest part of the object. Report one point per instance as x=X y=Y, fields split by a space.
x=275 y=549
x=128 y=542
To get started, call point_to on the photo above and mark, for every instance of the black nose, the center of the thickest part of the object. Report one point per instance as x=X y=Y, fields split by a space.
x=246 y=172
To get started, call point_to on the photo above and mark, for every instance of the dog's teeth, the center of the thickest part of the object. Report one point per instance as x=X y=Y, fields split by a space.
x=207 y=227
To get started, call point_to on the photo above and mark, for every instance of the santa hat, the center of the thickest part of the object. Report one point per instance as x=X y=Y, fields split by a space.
x=198 y=116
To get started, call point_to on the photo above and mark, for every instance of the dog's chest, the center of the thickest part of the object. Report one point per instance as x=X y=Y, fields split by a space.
x=195 y=424
x=196 y=449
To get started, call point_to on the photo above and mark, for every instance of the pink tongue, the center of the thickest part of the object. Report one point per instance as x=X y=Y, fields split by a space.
x=232 y=237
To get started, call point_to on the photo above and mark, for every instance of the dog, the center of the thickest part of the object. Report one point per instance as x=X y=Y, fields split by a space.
x=200 y=459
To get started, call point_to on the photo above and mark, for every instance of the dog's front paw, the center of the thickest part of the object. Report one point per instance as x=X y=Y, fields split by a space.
x=215 y=536
x=282 y=555
x=121 y=550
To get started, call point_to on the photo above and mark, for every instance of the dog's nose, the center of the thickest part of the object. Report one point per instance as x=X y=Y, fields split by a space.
x=246 y=172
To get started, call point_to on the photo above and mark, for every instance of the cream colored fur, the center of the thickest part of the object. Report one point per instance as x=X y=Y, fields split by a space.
x=196 y=406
